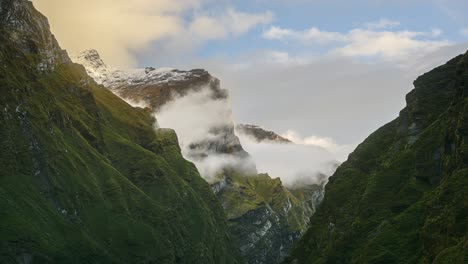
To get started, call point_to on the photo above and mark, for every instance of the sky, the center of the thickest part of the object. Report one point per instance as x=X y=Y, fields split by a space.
x=331 y=70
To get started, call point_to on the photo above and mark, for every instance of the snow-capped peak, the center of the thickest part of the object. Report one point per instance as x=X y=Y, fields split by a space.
x=114 y=78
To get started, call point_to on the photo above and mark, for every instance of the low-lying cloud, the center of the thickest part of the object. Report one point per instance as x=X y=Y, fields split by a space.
x=193 y=115
x=196 y=115
x=309 y=160
x=199 y=120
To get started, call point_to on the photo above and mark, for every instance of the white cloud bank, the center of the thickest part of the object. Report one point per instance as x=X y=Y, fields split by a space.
x=120 y=28
x=310 y=160
x=196 y=117
x=193 y=117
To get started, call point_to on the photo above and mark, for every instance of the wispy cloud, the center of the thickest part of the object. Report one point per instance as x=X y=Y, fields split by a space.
x=230 y=22
x=382 y=23
x=374 y=39
x=390 y=44
x=310 y=35
x=325 y=143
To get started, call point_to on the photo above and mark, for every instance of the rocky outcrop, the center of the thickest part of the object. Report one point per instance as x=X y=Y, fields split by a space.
x=29 y=30
x=401 y=195
x=260 y=134
x=264 y=217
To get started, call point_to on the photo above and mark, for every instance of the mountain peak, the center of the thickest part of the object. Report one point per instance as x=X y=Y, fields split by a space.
x=115 y=79
x=260 y=134
x=29 y=30
x=92 y=56
x=94 y=65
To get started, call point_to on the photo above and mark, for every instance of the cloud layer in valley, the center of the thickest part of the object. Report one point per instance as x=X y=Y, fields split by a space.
x=310 y=160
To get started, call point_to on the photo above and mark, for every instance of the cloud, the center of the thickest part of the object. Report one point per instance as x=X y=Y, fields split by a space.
x=205 y=113
x=382 y=23
x=119 y=29
x=388 y=44
x=195 y=117
x=310 y=35
x=294 y=164
x=231 y=22
x=372 y=40
x=464 y=32
x=310 y=160
x=325 y=143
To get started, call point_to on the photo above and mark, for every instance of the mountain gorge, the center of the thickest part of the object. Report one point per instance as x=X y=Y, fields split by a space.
x=402 y=197
x=105 y=165
x=264 y=217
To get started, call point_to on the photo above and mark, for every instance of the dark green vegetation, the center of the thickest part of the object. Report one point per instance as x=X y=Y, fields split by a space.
x=84 y=177
x=402 y=196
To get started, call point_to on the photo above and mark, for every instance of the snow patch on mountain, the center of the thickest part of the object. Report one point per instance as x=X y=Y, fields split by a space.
x=114 y=78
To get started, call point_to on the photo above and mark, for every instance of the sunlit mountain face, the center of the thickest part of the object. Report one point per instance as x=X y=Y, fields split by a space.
x=201 y=131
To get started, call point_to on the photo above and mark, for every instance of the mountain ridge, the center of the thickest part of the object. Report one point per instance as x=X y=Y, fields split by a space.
x=85 y=177
x=401 y=195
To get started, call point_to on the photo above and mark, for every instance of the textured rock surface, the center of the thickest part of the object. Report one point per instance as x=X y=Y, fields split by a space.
x=29 y=31
x=265 y=217
x=402 y=197
x=84 y=177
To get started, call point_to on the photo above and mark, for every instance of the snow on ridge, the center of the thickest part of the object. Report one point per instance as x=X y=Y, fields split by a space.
x=115 y=78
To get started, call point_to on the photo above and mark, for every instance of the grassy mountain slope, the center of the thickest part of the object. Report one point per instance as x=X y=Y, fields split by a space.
x=84 y=177
x=402 y=196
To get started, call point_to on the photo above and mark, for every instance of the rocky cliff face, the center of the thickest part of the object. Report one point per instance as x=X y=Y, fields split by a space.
x=401 y=197
x=260 y=134
x=84 y=177
x=264 y=217
x=29 y=31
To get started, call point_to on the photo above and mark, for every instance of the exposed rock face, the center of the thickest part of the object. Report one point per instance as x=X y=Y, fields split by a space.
x=401 y=197
x=29 y=30
x=84 y=177
x=260 y=134
x=265 y=218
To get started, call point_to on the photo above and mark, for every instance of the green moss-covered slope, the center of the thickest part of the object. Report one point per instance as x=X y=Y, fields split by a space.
x=402 y=196
x=84 y=177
